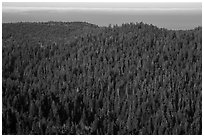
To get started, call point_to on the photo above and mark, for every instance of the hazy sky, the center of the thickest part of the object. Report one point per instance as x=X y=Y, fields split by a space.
x=167 y=15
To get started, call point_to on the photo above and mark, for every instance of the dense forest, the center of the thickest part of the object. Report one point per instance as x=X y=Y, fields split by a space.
x=79 y=78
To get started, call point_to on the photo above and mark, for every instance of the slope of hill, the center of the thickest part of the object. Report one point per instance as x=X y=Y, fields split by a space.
x=45 y=33
x=78 y=78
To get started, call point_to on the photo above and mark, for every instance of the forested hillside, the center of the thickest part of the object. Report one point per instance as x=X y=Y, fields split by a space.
x=78 y=78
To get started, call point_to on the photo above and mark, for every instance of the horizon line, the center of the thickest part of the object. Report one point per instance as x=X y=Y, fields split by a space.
x=24 y=9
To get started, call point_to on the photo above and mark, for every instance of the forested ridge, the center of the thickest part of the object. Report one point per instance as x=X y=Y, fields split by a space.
x=79 y=78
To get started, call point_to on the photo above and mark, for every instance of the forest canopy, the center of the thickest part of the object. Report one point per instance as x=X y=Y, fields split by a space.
x=78 y=78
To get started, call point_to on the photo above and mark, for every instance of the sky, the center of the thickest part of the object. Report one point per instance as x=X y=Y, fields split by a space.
x=164 y=15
